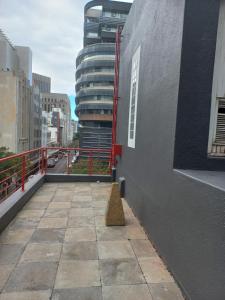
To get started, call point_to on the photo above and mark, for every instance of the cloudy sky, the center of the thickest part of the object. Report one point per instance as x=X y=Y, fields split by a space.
x=53 y=29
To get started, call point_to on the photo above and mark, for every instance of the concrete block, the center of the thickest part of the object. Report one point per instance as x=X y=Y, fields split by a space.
x=114 y=212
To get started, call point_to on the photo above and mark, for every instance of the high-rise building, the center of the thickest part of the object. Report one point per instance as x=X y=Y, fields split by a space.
x=43 y=83
x=95 y=71
x=16 y=96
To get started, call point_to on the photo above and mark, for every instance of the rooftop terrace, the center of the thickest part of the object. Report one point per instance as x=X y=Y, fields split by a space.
x=58 y=247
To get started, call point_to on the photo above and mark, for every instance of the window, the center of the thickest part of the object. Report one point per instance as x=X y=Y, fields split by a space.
x=217 y=120
x=92 y=34
x=133 y=98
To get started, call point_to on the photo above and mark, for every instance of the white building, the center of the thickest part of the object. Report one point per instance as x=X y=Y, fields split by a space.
x=59 y=103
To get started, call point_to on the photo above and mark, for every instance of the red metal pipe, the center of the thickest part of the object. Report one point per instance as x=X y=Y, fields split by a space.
x=23 y=172
x=116 y=90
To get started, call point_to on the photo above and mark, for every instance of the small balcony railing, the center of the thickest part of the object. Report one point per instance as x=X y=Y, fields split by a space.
x=17 y=170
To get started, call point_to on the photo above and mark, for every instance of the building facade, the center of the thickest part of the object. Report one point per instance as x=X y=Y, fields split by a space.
x=171 y=77
x=36 y=119
x=44 y=129
x=53 y=101
x=43 y=83
x=15 y=96
x=95 y=71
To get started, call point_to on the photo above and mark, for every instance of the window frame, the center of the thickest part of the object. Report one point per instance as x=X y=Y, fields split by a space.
x=134 y=89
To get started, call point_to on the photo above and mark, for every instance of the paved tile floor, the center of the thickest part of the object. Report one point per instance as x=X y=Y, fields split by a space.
x=59 y=248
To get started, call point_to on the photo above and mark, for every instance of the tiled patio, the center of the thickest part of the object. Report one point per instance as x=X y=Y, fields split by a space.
x=58 y=248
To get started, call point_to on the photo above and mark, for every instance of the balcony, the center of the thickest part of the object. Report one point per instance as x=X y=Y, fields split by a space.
x=95 y=117
x=58 y=247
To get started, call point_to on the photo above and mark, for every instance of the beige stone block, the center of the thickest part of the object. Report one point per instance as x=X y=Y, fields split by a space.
x=81 y=234
x=18 y=236
x=114 y=212
x=115 y=249
x=41 y=252
x=73 y=274
x=143 y=248
x=56 y=204
x=34 y=295
x=53 y=223
x=127 y=292
x=154 y=270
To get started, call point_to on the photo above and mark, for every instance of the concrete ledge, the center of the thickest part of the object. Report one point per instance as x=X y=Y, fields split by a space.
x=11 y=206
x=77 y=178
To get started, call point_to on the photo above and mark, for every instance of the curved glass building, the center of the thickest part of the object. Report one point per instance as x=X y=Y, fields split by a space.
x=95 y=71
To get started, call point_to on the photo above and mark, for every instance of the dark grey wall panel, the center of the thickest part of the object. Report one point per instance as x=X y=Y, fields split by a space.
x=195 y=93
x=183 y=216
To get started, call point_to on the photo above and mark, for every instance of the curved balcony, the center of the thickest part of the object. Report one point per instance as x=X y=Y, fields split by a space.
x=108 y=5
x=94 y=105
x=91 y=92
x=95 y=117
x=85 y=65
x=108 y=48
x=94 y=79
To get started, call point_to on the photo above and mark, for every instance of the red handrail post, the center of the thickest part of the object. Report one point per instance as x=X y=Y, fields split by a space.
x=23 y=172
x=68 y=158
x=90 y=164
x=45 y=160
x=116 y=91
x=42 y=160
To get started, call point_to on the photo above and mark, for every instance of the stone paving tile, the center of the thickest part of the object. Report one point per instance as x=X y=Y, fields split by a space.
x=115 y=249
x=85 y=198
x=80 y=251
x=4 y=274
x=36 y=205
x=10 y=254
x=120 y=271
x=35 y=295
x=99 y=221
x=62 y=199
x=127 y=292
x=99 y=211
x=42 y=198
x=17 y=236
x=57 y=213
x=63 y=193
x=62 y=246
x=165 y=291
x=47 y=235
x=81 y=234
x=38 y=213
x=154 y=270
x=59 y=205
x=143 y=248
x=131 y=220
x=53 y=223
x=135 y=233
x=100 y=204
x=41 y=252
x=18 y=223
x=111 y=233
x=81 y=204
x=87 y=293
x=81 y=222
x=81 y=212
x=67 y=185
x=73 y=274
x=32 y=276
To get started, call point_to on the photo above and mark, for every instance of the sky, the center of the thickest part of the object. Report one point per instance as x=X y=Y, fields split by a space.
x=53 y=29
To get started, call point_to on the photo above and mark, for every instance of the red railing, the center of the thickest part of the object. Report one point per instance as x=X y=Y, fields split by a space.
x=116 y=89
x=16 y=170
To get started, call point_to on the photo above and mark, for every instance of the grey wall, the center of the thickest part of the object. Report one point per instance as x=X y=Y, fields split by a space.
x=182 y=215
